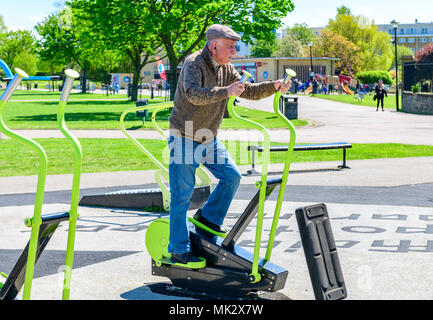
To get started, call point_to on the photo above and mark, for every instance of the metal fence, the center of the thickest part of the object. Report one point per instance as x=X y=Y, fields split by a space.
x=418 y=73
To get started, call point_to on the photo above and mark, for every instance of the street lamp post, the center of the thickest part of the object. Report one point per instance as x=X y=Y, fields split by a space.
x=395 y=26
x=310 y=44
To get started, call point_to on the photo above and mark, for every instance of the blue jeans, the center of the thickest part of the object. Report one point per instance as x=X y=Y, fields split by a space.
x=185 y=157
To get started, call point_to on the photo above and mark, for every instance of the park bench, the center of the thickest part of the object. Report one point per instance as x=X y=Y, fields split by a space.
x=301 y=147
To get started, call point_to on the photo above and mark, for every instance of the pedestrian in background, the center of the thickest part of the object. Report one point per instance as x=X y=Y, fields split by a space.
x=380 y=94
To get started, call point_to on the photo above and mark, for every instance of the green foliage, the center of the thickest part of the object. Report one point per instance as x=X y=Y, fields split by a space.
x=14 y=43
x=288 y=47
x=26 y=61
x=369 y=77
x=401 y=51
x=178 y=27
x=415 y=88
x=376 y=47
x=263 y=48
x=332 y=44
x=302 y=33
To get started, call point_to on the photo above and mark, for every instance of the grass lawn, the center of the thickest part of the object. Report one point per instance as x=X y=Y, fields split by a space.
x=20 y=95
x=388 y=102
x=82 y=113
x=107 y=155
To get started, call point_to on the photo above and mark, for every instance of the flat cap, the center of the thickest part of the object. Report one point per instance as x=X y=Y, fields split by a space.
x=218 y=31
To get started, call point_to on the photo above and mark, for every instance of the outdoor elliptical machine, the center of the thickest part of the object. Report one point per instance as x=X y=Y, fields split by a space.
x=228 y=269
x=43 y=226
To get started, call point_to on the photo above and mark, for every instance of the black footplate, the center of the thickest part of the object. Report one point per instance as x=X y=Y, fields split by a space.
x=321 y=252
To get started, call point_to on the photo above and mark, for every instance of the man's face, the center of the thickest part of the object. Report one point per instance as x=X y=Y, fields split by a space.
x=223 y=50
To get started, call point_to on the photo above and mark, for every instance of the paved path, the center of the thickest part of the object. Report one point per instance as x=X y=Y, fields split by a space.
x=381 y=214
x=330 y=122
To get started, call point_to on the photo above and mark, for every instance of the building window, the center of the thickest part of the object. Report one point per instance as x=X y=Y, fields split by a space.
x=402 y=40
x=423 y=40
x=431 y=40
x=423 y=30
x=411 y=40
x=401 y=31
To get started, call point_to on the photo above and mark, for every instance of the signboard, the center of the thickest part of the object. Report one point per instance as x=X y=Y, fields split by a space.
x=161 y=69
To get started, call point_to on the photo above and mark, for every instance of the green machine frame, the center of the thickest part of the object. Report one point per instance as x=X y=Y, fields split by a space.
x=262 y=184
x=43 y=226
x=150 y=197
x=162 y=172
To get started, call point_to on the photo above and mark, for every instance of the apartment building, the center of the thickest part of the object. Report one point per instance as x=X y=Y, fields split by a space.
x=415 y=35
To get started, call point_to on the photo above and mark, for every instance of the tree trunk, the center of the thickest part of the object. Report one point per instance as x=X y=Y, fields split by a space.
x=172 y=76
x=84 y=80
x=135 y=82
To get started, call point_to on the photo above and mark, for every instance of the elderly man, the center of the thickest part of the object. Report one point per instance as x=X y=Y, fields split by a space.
x=206 y=81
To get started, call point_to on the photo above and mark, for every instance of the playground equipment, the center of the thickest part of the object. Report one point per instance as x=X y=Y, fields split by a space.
x=152 y=197
x=43 y=226
x=9 y=74
x=346 y=88
x=228 y=269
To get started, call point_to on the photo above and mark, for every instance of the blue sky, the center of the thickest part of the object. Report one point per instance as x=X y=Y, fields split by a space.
x=24 y=14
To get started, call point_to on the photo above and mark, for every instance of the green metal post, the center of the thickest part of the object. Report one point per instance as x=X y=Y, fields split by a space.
x=255 y=275
x=75 y=194
x=35 y=221
x=289 y=73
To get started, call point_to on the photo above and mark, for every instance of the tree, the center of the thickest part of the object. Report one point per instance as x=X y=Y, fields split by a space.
x=66 y=40
x=181 y=25
x=3 y=28
x=14 y=43
x=331 y=44
x=62 y=43
x=302 y=33
x=122 y=26
x=26 y=61
x=263 y=48
x=425 y=54
x=401 y=52
x=178 y=26
x=424 y=64
x=288 y=46
x=376 y=47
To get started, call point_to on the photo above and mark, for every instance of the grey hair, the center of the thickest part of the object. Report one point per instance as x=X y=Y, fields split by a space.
x=209 y=42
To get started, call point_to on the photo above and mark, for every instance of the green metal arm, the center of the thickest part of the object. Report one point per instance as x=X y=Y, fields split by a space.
x=35 y=220
x=162 y=172
x=75 y=194
x=255 y=275
x=202 y=175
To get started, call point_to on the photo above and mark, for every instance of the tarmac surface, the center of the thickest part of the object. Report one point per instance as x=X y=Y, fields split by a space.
x=381 y=214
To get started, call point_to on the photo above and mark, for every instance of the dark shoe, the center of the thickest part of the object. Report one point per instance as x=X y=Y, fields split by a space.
x=207 y=223
x=184 y=258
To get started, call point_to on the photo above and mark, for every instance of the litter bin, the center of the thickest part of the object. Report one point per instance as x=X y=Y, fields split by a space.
x=142 y=113
x=289 y=106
